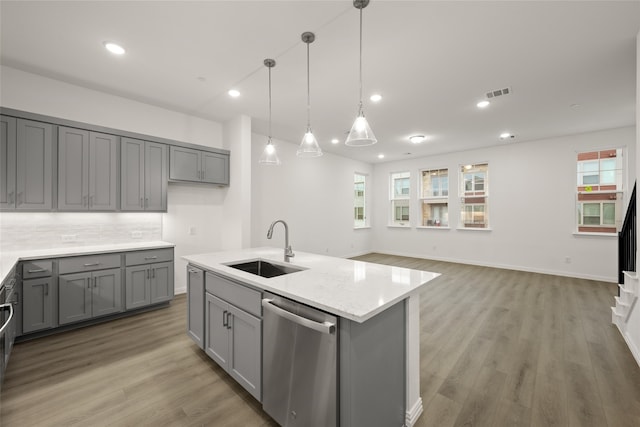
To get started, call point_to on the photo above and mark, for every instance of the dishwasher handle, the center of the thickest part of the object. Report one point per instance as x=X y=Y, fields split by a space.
x=324 y=327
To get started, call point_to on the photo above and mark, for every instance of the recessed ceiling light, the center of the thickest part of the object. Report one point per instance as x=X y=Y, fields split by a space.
x=417 y=139
x=114 y=48
x=376 y=97
x=483 y=104
x=506 y=135
x=233 y=93
x=335 y=141
x=467 y=167
x=381 y=156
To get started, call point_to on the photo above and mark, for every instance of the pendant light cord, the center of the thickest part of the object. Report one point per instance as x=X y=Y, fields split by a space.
x=269 y=105
x=308 y=93
x=360 y=60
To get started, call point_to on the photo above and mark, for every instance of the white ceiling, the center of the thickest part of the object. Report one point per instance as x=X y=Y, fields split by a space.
x=432 y=61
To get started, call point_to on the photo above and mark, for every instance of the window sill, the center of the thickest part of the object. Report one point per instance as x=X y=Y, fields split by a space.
x=398 y=226
x=585 y=233
x=365 y=227
x=473 y=229
x=428 y=227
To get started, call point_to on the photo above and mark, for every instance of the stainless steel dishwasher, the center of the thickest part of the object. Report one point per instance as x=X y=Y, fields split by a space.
x=299 y=364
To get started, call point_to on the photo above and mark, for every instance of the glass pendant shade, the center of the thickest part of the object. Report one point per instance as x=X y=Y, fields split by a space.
x=361 y=133
x=309 y=146
x=269 y=155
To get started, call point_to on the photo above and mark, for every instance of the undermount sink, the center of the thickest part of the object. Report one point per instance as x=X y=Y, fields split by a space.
x=264 y=268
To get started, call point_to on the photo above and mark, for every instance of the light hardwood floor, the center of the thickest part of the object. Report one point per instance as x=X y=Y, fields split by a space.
x=498 y=348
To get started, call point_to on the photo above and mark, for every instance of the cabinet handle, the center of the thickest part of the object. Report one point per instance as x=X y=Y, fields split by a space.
x=40 y=270
x=46 y=289
x=148 y=273
x=151 y=257
x=141 y=203
x=92 y=264
x=224 y=319
x=95 y=282
x=192 y=271
x=11 y=198
x=228 y=322
x=146 y=202
x=153 y=273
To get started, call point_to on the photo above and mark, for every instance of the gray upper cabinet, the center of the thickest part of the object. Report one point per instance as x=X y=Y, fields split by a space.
x=88 y=170
x=27 y=165
x=144 y=175
x=187 y=164
x=7 y=162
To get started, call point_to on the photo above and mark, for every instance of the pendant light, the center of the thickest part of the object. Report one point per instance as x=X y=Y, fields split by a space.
x=361 y=133
x=309 y=146
x=269 y=155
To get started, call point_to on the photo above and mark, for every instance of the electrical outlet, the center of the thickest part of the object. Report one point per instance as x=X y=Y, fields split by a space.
x=567 y=260
x=192 y=231
x=136 y=234
x=69 y=238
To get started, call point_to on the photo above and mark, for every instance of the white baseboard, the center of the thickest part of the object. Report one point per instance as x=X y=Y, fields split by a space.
x=613 y=279
x=632 y=346
x=414 y=413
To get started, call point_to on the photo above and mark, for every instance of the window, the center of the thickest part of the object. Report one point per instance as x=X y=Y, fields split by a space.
x=474 y=195
x=434 y=198
x=599 y=192
x=359 y=201
x=399 y=198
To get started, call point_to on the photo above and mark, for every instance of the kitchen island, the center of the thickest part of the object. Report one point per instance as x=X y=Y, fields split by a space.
x=378 y=311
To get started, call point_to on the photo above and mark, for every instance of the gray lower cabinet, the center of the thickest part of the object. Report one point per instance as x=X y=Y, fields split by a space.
x=86 y=295
x=144 y=179
x=37 y=304
x=195 y=305
x=88 y=170
x=233 y=339
x=26 y=165
x=187 y=164
x=7 y=162
x=148 y=284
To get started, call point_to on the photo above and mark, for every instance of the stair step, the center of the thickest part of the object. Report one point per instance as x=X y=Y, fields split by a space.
x=626 y=295
x=621 y=304
x=617 y=319
x=631 y=274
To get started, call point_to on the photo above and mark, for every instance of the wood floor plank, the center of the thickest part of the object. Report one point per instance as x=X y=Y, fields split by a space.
x=511 y=348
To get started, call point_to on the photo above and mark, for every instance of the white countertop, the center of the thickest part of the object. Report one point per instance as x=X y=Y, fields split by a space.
x=9 y=259
x=355 y=290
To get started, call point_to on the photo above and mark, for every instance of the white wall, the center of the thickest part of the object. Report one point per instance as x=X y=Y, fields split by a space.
x=313 y=195
x=531 y=209
x=200 y=207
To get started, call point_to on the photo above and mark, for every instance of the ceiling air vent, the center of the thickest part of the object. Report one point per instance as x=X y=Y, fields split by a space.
x=499 y=92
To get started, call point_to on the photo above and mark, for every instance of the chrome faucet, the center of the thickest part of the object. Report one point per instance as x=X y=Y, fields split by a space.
x=288 y=253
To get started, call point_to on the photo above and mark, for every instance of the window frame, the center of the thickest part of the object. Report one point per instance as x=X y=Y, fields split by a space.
x=474 y=195
x=430 y=199
x=364 y=205
x=399 y=200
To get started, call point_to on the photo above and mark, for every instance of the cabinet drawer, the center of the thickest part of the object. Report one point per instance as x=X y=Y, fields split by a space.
x=89 y=263
x=149 y=256
x=234 y=293
x=35 y=269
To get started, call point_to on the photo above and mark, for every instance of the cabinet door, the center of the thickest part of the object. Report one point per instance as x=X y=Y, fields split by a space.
x=195 y=305
x=216 y=330
x=215 y=168
x=34 y=167
x=37 y=308
x=7 y=162
x=155 y=178
x=103 y=172
x=161 y=282
x=132 y=171
x=73 y=169
x=106 y=294
x=245 y=357
x=74 y=294
x=184 y=164
x=137 y=291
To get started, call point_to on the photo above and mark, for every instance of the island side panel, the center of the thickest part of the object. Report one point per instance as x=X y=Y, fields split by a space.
x=414 y=400
x=373 y=370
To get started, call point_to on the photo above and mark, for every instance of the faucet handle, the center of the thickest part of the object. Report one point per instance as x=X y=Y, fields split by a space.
x=289 y=252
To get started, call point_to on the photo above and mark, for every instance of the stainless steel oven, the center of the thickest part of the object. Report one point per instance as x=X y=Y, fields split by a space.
x=8 y=303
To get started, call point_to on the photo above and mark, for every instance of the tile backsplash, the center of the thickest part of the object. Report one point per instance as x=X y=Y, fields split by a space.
x=36 y=230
